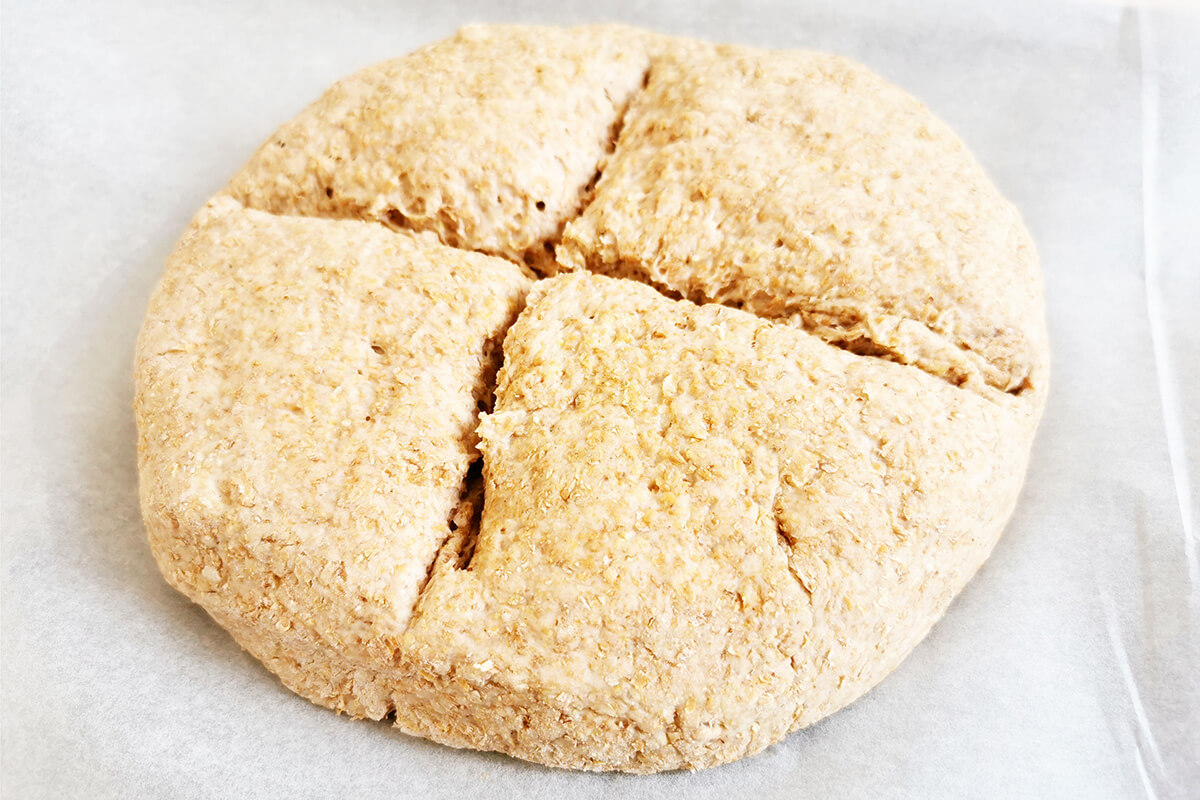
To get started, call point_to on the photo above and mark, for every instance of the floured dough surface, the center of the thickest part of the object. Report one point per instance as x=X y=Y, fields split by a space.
x=712 y=495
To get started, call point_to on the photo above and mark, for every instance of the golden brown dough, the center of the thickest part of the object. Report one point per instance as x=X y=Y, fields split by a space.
x=307 y=393
x=801 y=184
x=702 y=530
x=690 y=528
x=489 y=139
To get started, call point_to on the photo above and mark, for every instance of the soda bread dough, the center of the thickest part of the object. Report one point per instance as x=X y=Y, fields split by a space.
x=714 y=498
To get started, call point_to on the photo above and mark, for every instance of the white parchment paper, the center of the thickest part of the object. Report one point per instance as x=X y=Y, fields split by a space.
x=1068 y=668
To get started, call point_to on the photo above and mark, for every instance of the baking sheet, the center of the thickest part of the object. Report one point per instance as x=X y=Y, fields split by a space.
x=1068 y=667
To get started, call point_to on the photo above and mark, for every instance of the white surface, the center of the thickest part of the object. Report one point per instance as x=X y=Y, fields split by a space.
x=1067 y=668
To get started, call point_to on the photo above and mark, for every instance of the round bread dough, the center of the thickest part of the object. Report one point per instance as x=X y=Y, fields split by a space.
x=610 y=400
